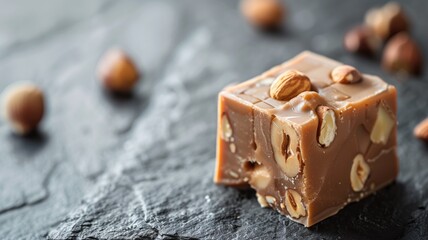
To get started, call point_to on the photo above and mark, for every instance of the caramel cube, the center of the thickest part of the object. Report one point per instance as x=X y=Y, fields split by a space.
x=311 y=155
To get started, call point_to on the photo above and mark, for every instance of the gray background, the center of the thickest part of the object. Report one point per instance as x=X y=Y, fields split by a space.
x=114 y=167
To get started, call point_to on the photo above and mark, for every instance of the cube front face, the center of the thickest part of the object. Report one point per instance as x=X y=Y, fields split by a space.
x=312 y=155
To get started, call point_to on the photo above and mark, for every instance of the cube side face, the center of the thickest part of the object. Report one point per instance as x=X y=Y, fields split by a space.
x=234 y=139
x=281 y=150
x=353 y=166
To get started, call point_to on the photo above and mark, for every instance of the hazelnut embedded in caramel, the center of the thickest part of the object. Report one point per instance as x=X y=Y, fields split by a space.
x=23 y=107
x=117 y=71
x=327 y=128
x=345 y=74
x=360 y=171
x=289 y=84
x=294 y=204
x=382 y=127
x=285 y=148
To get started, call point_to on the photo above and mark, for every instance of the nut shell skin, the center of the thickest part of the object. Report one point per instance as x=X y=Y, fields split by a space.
x=402 y=55
x=117 y=72
x=264 y=14
x=23 y=107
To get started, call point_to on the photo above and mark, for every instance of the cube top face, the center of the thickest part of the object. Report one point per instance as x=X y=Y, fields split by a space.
x=309 y=156
x=318 y=68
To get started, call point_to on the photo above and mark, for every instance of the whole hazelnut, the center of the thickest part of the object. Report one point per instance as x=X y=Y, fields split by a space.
x=387 y=20
x=361 y=39
x=117 y=71
x=345 y=74
x=402 y=55
x=23 y=107
x=265 y=14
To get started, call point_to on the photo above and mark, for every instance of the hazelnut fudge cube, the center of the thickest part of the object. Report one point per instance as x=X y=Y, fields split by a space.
x=312 y=154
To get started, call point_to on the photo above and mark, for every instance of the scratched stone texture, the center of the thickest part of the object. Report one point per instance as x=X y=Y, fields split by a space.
x=141 y=167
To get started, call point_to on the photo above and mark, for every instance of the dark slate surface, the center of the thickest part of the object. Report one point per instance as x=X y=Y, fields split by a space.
x=142 y=167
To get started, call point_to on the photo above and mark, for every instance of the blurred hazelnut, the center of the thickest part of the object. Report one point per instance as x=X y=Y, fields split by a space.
x=361 y=39
x=421 y=130
x=23 y=107
x=387 y=20
x=117 y=71
x=266 y=14
x=402 y=55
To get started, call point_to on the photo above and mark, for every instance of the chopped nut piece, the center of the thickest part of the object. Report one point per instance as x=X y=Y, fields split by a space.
x=359 y=173
x=266 y=14
x=387 y=20
x=294 y=204
x=233 y=174
x=262 y=200
x=382 y=127
x=402 y=55
x=362 y=40
x=260 y=177
x=226 y=129
x=289 y=84
x=421 y=130
x=232 y=147
x=345 y=74
x=327 y=126
x=271 y=200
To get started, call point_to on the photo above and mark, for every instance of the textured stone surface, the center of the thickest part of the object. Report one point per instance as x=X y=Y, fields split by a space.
x=141 y=167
